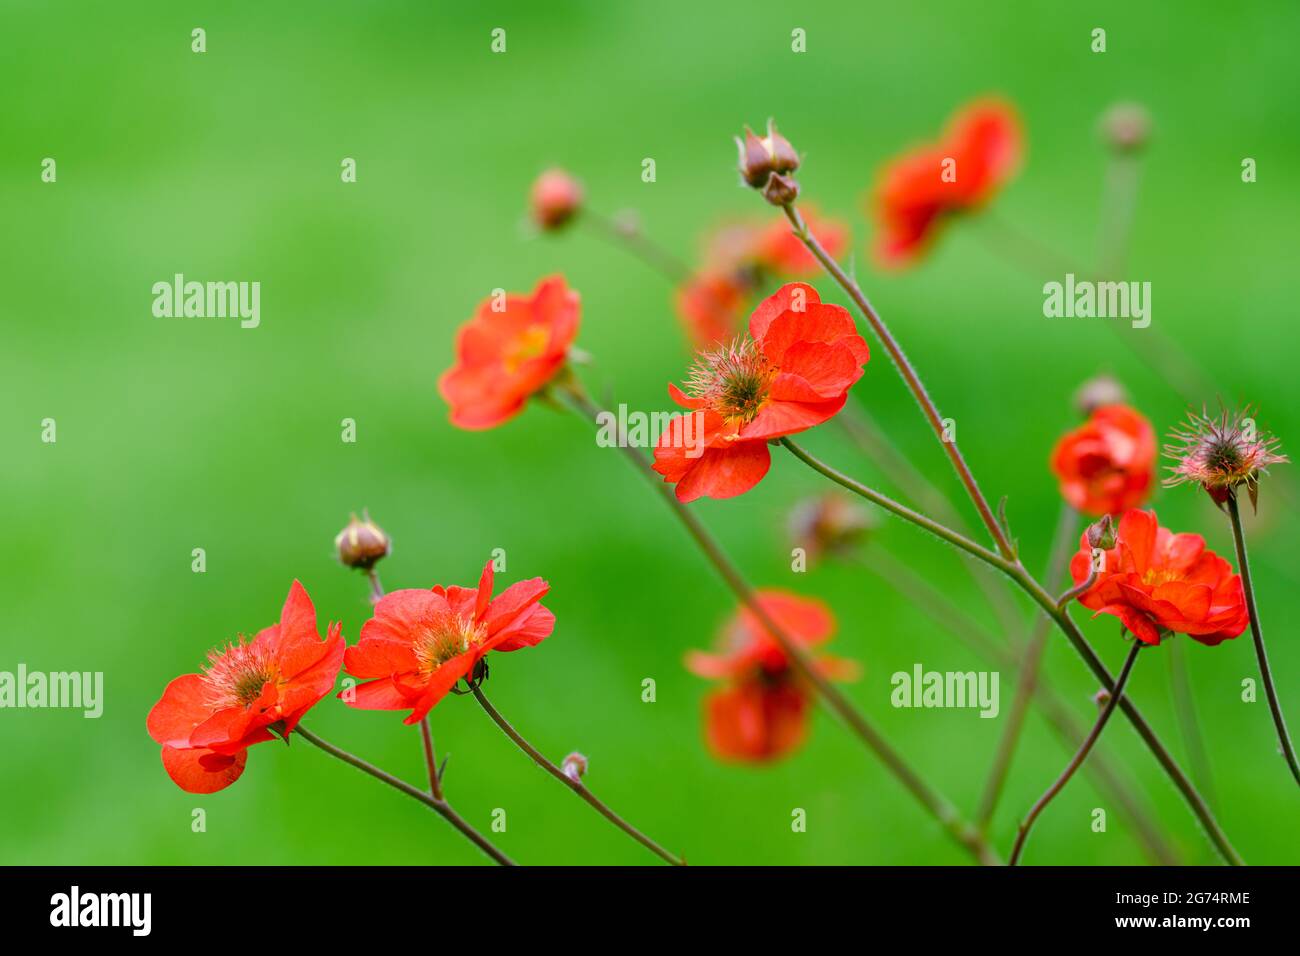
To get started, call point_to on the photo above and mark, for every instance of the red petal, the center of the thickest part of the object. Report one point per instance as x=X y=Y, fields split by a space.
x=202 y=771
x=725 y=472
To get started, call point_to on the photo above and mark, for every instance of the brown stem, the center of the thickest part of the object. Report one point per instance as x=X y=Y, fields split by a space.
x=577 y=786
x=1077 y=761
x=933 y=602
x=939 y=808
x=1185 y=708
x=1029 y=667
x=1257 y=632
x=431 y=759
x=909 y=376
x=442 y=808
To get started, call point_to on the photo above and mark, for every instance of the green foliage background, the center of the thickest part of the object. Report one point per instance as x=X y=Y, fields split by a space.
x=176 y=434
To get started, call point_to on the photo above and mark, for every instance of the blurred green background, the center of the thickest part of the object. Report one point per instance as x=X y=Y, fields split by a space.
x=175 y=434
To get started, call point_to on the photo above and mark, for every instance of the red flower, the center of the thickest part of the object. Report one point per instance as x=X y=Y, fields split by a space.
x=206 y=722
x=738 y=259
x=915 y=192
x=1155 y=581
x=792 y=372
x=1107 y=465
x=504 y=357
x=555 y=199
x=420 y=643
x=761 y=712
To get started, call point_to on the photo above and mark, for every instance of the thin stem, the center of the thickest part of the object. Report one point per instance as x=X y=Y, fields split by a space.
x=431 y=759
x=867 y=434
x=909 y=376
x=1028 y=678
x=440 y=806
x=936 y=604
x=1239 y=539
x=1185 y=708
x=939 y=808
x=636 y=242
x=376 y=587
x=575 y=785
x=1017 y=573
x=1077 y=761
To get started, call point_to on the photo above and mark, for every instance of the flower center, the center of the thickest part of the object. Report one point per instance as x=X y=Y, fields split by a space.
x=443 y=640
x=526 y=346
x=734 y=380
x=236 y=675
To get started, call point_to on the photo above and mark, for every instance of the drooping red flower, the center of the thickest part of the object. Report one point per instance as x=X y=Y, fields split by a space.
x=206 y=722
x=1156 y=581
x=555 y=199
x=420 y=643
x=792 y=371
x=504 y=357
x=1107 y=465
x=916 y=192
x=739 y=258
x=760 y=712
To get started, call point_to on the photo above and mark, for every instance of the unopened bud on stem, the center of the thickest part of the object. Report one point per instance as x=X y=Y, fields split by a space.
x=574 y=766
x=362 y=543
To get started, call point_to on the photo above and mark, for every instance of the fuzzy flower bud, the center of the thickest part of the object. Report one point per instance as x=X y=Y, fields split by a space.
x=1126 y=127
x=1101 y=534
x=1222 y=454
x=829 y=525
x=1098 y=392
x=760 y=157
x=556 y=198
x=362 y=543
x=574 y=766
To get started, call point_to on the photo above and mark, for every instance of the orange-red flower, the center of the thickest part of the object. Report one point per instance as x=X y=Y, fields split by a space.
x=917 y=191
x=420 y=643
x=792 y=371
x=1156 y=581
x=778 y=249
x=760 y=712
x=1107 y=465
x=206 y=722
x=503 y=357
x=711 y=305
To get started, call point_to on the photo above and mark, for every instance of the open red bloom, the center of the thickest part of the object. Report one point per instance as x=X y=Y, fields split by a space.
x=761 y=711
x=1156 y=581
x=206 y=722
x=792 y=371
x=420 y=643
x=1107 y=465
x=917 y=191
x=504 y=357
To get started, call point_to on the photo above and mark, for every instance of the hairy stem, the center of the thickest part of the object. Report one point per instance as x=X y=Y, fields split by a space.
x=1017 y=573
x=1028 y=678
x=431 y=759
x=575 y=785
x=1239 y=540
x=1077 y=761
x=909 y=376
x=438 y=805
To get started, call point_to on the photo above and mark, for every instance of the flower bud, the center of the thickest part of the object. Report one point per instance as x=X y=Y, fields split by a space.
x=556 y=198
x=760 y=157
x=1101 y=698
x=829 y=525
x=1099 y=392
x=1101 y=534
x=781 y=190
x=1125 y=127
x=362 y=543
x=574 y=766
